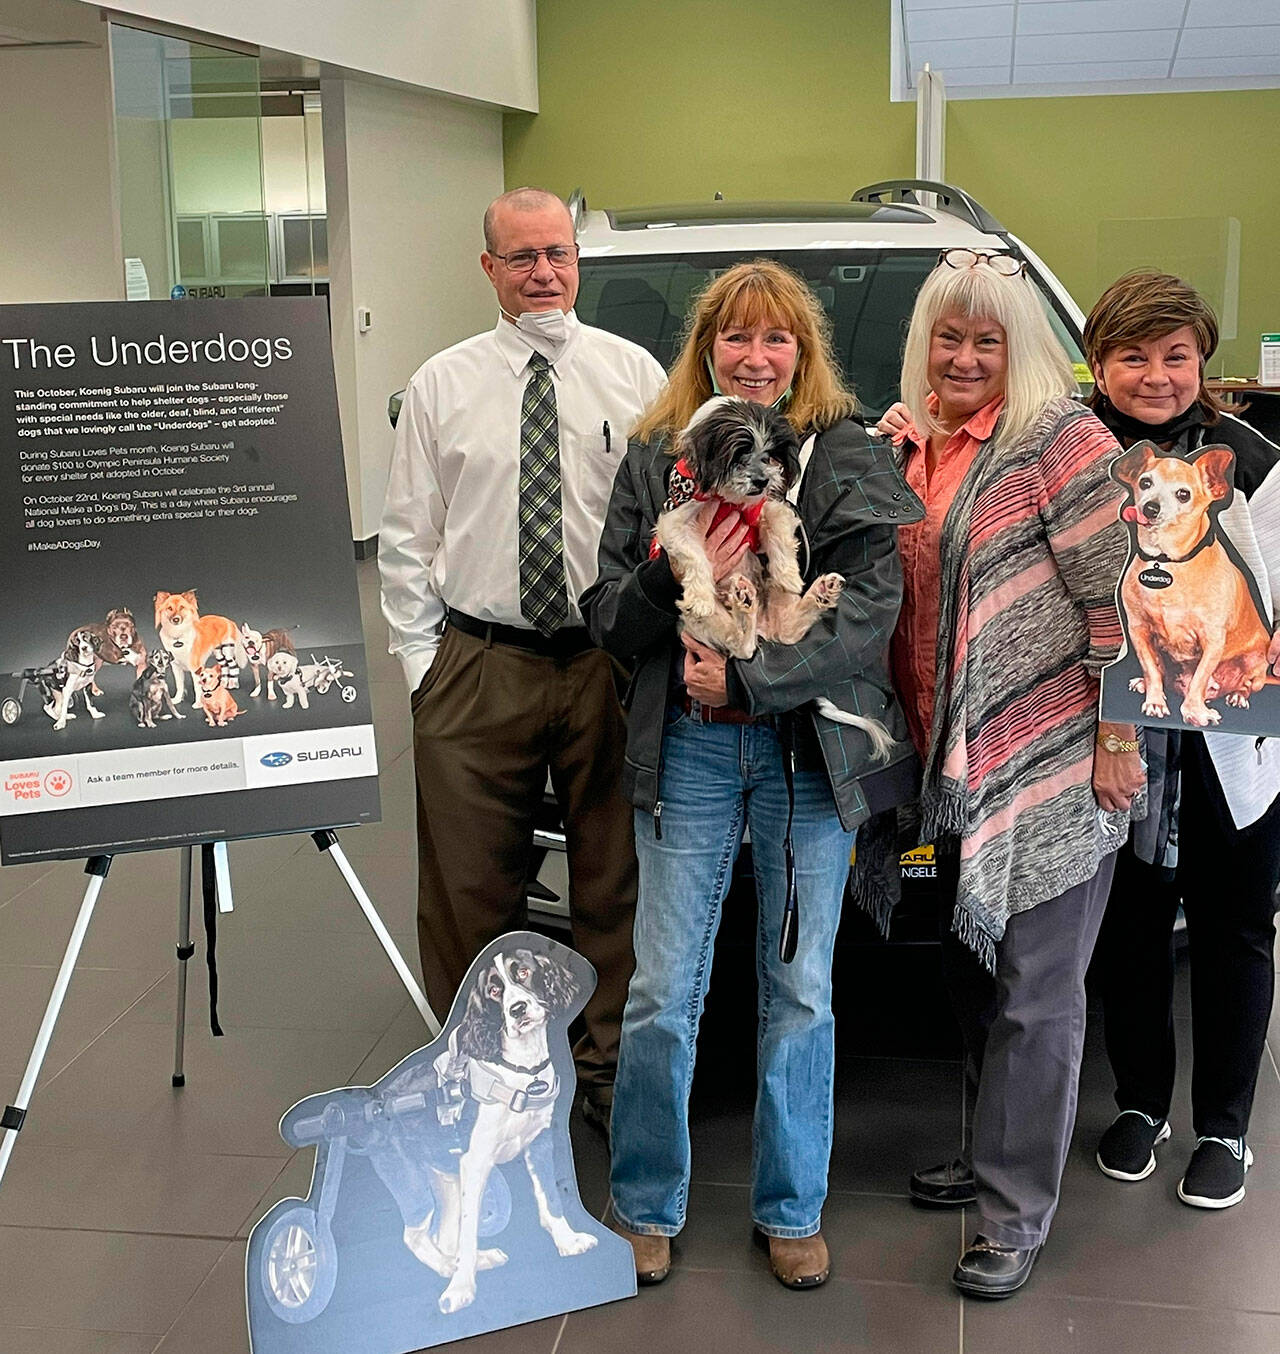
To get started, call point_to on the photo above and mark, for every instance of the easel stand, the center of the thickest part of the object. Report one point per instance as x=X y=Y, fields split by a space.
x=13 y=1116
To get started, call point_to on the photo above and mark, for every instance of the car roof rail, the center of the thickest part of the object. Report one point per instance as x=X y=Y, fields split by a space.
x=953 y=201
x=577 y=208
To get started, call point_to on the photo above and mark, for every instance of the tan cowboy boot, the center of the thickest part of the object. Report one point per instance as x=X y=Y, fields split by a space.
x=652 y=1253
x=799 y=1262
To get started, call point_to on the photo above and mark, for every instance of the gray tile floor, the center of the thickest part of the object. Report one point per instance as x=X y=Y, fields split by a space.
x=125 y=1211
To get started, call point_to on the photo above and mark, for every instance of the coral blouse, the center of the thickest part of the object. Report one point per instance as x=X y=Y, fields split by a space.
x=913 y=652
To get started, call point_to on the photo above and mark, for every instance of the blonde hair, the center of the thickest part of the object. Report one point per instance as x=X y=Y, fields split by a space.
x=1037 y=367
x=748 y=294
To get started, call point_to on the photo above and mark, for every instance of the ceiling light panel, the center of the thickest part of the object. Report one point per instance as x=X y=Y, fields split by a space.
x=986 y=48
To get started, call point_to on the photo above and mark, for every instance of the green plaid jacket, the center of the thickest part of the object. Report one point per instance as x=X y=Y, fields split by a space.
x=851 y=501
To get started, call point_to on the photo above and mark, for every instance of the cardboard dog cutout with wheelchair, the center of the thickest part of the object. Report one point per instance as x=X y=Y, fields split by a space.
x=444 y=1201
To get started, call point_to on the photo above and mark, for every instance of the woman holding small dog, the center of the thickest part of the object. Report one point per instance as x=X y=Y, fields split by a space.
x=716 y=744
x=1008 y=617
x=1215 y=798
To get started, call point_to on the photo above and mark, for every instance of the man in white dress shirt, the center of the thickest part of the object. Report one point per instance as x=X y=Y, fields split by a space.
x=506 y=449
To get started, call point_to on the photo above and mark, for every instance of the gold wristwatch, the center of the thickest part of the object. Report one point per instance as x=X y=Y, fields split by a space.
x=1114 y=744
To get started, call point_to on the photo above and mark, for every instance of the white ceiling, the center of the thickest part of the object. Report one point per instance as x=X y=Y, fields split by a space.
x=1019 y=47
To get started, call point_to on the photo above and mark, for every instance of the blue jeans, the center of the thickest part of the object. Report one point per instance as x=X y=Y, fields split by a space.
x=715 y=778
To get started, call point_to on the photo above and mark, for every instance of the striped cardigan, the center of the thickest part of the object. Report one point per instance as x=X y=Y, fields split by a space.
x=1032 y=549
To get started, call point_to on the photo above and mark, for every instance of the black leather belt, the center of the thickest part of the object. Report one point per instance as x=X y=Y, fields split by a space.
x=720 y=714
x=563 y=643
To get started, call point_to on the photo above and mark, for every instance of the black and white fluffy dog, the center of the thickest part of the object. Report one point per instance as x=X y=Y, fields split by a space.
x=746 y=456
x=499 y=1054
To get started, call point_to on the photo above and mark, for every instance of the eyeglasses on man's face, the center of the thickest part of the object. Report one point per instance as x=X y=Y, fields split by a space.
x=1004 y=264
x=526 y=260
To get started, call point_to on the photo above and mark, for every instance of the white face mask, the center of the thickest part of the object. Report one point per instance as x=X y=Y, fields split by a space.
x=545 y=331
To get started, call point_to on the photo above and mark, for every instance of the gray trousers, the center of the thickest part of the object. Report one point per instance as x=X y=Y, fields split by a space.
x=1024 y=1036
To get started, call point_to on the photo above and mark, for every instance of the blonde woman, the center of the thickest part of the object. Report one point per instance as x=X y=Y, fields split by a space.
x=706 y=743
x=1008 y=616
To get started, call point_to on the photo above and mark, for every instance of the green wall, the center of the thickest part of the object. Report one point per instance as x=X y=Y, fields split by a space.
x=648 y=101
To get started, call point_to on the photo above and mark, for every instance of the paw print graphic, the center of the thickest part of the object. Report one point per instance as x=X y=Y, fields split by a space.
x=57 y=783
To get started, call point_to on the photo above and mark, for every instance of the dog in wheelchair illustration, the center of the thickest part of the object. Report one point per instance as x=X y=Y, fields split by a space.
x=437 y=1131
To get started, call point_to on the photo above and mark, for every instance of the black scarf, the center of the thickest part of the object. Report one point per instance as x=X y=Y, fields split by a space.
x=1130 y=429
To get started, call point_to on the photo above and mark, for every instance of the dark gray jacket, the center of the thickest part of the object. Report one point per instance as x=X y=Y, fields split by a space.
x=852 y=499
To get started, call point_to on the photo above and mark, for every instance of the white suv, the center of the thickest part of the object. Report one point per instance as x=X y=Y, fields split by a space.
x=865 y=258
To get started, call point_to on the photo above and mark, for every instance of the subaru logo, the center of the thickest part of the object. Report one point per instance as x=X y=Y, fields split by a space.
x=276 y=759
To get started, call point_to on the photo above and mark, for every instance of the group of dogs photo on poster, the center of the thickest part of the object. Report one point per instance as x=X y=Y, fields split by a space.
x=212 y=651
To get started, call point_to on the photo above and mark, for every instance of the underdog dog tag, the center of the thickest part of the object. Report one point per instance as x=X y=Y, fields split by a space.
x=1155 y=577
x=538 y=1087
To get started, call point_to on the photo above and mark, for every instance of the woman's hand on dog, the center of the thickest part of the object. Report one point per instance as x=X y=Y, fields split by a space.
x=727 y=543
x=1117 y=776
x=704 y=673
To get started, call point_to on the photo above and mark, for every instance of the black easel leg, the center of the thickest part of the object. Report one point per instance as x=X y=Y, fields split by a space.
x=185 y=950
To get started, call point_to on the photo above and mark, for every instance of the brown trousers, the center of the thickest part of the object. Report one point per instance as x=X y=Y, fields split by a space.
x=489 y=722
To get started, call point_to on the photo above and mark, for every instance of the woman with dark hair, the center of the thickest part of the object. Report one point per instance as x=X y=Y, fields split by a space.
x=1008 y=617
x=1215 y=798
x=708 y=742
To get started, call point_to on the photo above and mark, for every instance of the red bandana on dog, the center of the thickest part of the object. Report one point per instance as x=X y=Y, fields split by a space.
x=682 y=487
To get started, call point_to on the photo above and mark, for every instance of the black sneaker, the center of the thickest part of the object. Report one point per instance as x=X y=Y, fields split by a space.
x=1215 y=1174
x=1126 y=1151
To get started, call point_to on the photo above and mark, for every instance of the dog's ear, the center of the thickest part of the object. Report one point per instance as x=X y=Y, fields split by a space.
x=713 y=440
x=783 y=445
x=161 y=599
x=559 y=986
x=1126 y=469
x=190 y=595
x=1217 y=465
x=480 y=1030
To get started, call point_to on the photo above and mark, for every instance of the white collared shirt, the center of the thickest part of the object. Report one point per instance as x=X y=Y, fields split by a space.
x=450 y=528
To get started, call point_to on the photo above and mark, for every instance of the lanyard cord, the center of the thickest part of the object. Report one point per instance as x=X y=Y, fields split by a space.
x=789 y=932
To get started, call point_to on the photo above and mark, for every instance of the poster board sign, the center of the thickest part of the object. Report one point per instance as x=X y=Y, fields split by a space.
x=443 y=1201
x=1197 y=625
x=173 y=516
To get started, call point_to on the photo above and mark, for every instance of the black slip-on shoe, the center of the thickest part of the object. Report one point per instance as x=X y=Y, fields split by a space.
x=1215 y=1173
x=1126 y=1151
x=950 y=1185
x=990 y=1270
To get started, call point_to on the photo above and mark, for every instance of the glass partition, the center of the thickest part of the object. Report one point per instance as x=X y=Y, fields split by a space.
x=189 y=151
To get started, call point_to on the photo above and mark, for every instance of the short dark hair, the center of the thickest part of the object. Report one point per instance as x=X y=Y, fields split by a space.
x=522 y=200
x=1145 y=305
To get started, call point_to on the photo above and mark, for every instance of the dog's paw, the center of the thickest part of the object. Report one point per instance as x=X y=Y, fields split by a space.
x=418 y=1240
x=1138 y=684
x=97 y=714
x=490 y=1259
x=458 y=1295
x=1238 y=700
x=575 y=1243
x=741 y=593
x=697 y=608
x=827 y=589
x=1200 y=716
x=1154 y=707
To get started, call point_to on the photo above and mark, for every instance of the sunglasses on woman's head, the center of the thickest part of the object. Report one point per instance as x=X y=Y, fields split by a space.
x=1004 y=264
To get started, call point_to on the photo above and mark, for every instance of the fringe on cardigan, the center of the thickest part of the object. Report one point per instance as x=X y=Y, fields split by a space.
x=969 y=931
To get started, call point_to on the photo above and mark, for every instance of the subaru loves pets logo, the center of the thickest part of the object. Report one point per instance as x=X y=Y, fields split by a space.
x=276 y=759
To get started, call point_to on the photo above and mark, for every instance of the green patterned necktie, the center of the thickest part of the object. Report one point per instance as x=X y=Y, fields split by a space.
x=544 y=603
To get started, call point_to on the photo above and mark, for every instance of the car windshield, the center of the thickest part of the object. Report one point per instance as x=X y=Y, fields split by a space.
x=867 y=292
